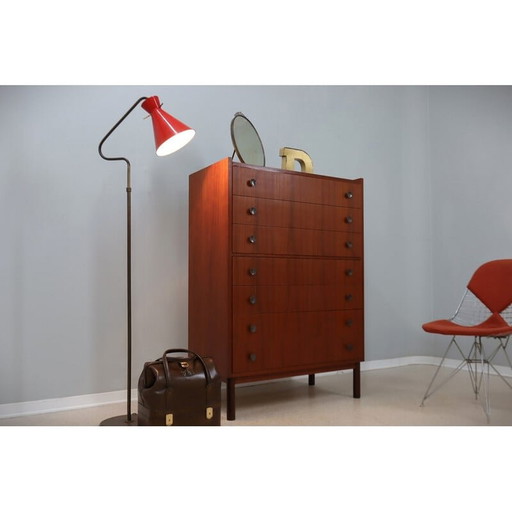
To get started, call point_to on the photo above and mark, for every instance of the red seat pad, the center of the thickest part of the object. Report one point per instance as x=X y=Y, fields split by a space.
x=493 y=326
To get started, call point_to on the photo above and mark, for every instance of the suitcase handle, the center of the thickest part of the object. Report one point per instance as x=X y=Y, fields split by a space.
x=174 y=350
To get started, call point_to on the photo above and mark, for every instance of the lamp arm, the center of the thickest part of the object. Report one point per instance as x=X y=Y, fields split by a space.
x=128 y=165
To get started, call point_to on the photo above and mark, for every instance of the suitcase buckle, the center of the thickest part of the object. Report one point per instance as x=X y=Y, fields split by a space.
x=169 y=419
x=209 y=413
x=184 y=364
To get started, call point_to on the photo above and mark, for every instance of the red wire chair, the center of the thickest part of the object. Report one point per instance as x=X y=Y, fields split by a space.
x=485 y=313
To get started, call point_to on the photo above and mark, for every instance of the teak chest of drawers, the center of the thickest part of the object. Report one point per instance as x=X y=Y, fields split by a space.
x=275 y=273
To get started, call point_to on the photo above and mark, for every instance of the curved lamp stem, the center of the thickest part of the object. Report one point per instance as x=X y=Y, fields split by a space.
x=129 y=418
x=128 y=165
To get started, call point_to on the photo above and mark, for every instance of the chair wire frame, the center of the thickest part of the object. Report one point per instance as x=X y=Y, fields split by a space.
x=471 y=312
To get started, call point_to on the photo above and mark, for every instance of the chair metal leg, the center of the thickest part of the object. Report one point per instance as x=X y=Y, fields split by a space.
x=477 y=363
x=480 y=378
x=473 y=359
x=428 y=392
x=503 y=342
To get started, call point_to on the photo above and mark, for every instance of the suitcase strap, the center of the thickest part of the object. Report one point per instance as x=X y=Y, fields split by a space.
x=201 y=360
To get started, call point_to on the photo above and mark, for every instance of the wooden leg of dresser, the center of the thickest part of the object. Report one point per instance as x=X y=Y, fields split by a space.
x=357 y=380
x=311 y=379
x=230 y=392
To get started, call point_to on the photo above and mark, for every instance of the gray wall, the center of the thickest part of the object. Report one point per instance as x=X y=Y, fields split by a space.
x=428 y=155
x=471 y=167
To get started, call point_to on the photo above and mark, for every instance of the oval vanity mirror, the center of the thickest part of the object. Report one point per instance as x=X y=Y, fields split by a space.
x=246 y=141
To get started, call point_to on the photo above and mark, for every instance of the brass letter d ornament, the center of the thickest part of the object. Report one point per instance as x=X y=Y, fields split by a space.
x=290 y=155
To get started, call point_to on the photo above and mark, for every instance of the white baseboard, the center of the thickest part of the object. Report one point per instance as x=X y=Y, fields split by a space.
x=62 y=404
x=434 y=361
x=98 y=399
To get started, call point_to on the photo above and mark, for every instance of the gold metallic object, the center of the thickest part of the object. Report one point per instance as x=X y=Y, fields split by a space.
x=290 y=155
x=169 y=419
x=209 y=413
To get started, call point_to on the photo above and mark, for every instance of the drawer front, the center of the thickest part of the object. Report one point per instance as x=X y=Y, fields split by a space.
x=297 y=186
x=305 y=242
x=289 y=214
x=248 y=300
x=265 y=271
x=286 y=340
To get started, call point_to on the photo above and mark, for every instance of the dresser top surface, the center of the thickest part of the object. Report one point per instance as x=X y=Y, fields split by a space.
x=229 y=162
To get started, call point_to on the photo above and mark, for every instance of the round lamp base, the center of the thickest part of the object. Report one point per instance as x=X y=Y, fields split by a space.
x=120 y=421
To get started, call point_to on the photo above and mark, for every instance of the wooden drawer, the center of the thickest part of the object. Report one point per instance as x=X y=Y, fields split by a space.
x=259 y=271
x=289 y=214
x=249 y=300
x=296 y=186
x=284 y=340
x=305 y=242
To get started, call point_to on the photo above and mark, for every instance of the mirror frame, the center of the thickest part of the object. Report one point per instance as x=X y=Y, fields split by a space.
x=257 y=139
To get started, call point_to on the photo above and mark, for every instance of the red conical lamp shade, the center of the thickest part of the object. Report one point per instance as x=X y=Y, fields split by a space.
x=170 y=133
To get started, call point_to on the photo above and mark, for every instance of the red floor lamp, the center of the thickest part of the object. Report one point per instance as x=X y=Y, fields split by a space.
x=170 y=135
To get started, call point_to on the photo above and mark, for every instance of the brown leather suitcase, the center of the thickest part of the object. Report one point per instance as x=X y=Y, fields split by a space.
x=179 y=391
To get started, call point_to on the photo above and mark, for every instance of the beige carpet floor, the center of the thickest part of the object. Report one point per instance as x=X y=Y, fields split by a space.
x=389 y=397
